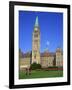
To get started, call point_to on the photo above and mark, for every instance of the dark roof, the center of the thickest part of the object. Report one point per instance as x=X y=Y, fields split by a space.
x=58 y=50
x=27 y=55
x=22 y=55
x=44 y=54
x=47 y=54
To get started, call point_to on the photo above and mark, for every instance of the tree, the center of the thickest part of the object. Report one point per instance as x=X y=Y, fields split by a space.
x=35 y=66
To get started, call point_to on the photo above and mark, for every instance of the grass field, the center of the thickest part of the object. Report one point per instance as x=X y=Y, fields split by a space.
x=41 y=74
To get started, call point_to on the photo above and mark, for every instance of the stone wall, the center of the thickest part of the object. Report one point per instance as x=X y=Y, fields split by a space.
x=47 y=61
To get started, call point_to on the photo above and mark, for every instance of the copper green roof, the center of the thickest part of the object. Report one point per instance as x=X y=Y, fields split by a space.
x=36 y=22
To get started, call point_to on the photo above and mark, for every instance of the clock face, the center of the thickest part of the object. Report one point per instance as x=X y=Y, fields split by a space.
x=36 y=29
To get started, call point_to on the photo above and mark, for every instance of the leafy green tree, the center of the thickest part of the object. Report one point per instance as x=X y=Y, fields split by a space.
x=35 y=66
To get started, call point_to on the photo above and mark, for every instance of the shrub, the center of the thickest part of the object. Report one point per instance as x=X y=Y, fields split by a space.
x=35 y=66
x=53 y=67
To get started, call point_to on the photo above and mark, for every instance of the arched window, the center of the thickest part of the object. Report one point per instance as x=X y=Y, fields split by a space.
x=34 y=56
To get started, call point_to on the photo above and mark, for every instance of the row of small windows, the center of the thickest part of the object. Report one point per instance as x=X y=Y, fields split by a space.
x=48 y=63
x=58 y=63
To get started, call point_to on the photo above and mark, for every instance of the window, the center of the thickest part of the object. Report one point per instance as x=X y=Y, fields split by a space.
x=35 y=32
x=36 y=35
x=35 y=41
x=34 y=56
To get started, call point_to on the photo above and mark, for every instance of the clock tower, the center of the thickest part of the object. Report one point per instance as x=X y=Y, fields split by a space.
x=36 y=43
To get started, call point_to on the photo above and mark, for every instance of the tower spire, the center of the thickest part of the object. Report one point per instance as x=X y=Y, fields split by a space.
x=36 y=43
x=36 y=22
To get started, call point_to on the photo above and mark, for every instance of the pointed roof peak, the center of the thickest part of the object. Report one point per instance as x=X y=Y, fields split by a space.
x=36 y=22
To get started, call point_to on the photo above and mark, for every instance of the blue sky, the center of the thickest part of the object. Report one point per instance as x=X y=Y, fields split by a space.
x=51 y=30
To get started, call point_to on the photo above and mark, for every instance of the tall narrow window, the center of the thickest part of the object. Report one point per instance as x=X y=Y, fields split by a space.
x=34 y=56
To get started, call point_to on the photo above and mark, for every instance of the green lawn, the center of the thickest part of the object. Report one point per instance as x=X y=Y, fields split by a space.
x=41 y=74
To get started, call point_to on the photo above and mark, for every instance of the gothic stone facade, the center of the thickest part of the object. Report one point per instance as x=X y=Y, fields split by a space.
x=36 y=43
x=46 y=59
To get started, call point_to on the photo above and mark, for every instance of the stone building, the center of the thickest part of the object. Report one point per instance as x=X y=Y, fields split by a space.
x=59 y=57
x=46 y=59
x=25 y=60
x=36 y=43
